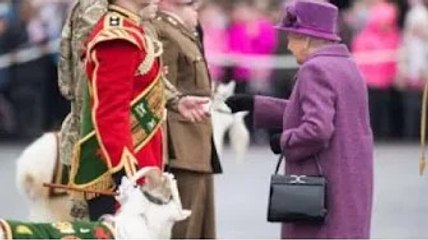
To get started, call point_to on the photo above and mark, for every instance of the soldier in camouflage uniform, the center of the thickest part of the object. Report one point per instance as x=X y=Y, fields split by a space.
x=71 y=75
x=84 y=15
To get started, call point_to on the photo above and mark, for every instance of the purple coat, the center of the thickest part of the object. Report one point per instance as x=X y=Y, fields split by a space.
x=327 y=114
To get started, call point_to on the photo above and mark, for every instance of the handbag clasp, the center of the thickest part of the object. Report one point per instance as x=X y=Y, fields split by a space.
x=297 y=179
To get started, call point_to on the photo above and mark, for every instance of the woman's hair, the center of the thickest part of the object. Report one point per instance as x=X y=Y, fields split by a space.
x=318 y=42
x=312 y=42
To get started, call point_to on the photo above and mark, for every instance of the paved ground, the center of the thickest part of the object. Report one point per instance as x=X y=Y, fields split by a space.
x=401 y=196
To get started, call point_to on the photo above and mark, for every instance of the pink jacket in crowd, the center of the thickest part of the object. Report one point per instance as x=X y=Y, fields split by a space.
x=381 y=33
x=257 y=37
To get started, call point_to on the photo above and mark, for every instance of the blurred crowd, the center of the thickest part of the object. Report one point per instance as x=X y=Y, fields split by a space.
x=389 y=39
x=30 y=102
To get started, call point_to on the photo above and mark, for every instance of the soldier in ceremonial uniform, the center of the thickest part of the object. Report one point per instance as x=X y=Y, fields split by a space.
x=123 y=105
x=187 y=69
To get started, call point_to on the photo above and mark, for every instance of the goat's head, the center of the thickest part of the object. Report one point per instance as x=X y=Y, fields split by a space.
x=153 y=212
x=130 y=197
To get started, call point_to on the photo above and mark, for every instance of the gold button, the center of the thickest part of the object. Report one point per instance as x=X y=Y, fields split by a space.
x=172 y=21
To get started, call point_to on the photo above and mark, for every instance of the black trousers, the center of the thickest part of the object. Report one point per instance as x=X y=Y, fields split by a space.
x=104 y=204
x=380 y=112
x=412 y=113
x=100 y=206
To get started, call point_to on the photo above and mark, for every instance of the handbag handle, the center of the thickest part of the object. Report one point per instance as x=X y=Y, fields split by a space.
x=282 y=156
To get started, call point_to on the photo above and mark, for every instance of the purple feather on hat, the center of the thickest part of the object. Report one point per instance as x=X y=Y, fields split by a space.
x=311 y=18
x=290 y=18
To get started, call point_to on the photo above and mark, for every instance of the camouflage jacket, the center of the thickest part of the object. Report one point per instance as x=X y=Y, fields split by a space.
x=83 y=16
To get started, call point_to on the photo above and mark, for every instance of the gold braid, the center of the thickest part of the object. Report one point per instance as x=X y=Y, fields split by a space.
x=422 y=161
x=154 y=50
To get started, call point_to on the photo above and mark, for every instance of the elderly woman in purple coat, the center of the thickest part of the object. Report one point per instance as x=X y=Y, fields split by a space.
x=326 y=116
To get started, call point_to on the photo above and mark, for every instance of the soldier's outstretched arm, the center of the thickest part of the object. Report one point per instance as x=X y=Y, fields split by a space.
x=193 y=108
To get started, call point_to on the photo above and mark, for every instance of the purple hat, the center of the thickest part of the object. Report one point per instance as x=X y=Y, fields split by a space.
x=311 y=18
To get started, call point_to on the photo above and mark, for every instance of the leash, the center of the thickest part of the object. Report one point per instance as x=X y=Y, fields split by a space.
x=149 y=197
x=66 y=187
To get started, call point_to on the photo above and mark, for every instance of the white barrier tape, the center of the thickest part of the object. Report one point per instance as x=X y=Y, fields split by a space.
x=289 y=62
x=253 y=61
x=217 y=59
x=376 y=57
x=28 y=54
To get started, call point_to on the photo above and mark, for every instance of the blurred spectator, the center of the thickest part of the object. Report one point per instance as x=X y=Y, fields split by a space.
x=7 y=123
x=4 y=25
x=30 y=16
x=413 y=65
x=26 y=88
x=53 y=9
x=403 y=8
x=344 y=27
x=56 y=107
x=252 y=33
x=358 y=15
x=282 y=79
x=214 y=22
x=341 y=4
x=33 y=82
x=264 y=45
x=380 y=34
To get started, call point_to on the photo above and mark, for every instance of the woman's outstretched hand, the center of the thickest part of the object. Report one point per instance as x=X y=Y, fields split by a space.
x=240 y=102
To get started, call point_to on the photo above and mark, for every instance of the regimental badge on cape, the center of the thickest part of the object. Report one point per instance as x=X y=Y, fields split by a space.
x=114 y=21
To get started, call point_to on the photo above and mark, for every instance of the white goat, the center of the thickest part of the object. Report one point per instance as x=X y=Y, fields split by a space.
x=35 y=166
x=139 y=216
x=224 y=121
x=158 y=219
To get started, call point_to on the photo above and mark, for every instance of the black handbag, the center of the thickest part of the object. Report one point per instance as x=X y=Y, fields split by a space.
x=297 y=198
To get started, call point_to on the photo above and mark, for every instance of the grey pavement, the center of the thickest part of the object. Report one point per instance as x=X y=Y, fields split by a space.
x=401 y=195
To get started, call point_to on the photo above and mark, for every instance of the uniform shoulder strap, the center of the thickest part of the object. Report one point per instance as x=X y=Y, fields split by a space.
x=114 y=28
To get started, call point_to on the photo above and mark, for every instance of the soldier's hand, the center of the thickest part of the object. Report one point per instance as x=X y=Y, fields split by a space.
x=194 y=108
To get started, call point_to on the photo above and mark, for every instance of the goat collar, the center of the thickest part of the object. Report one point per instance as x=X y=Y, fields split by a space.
x=156 y=200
